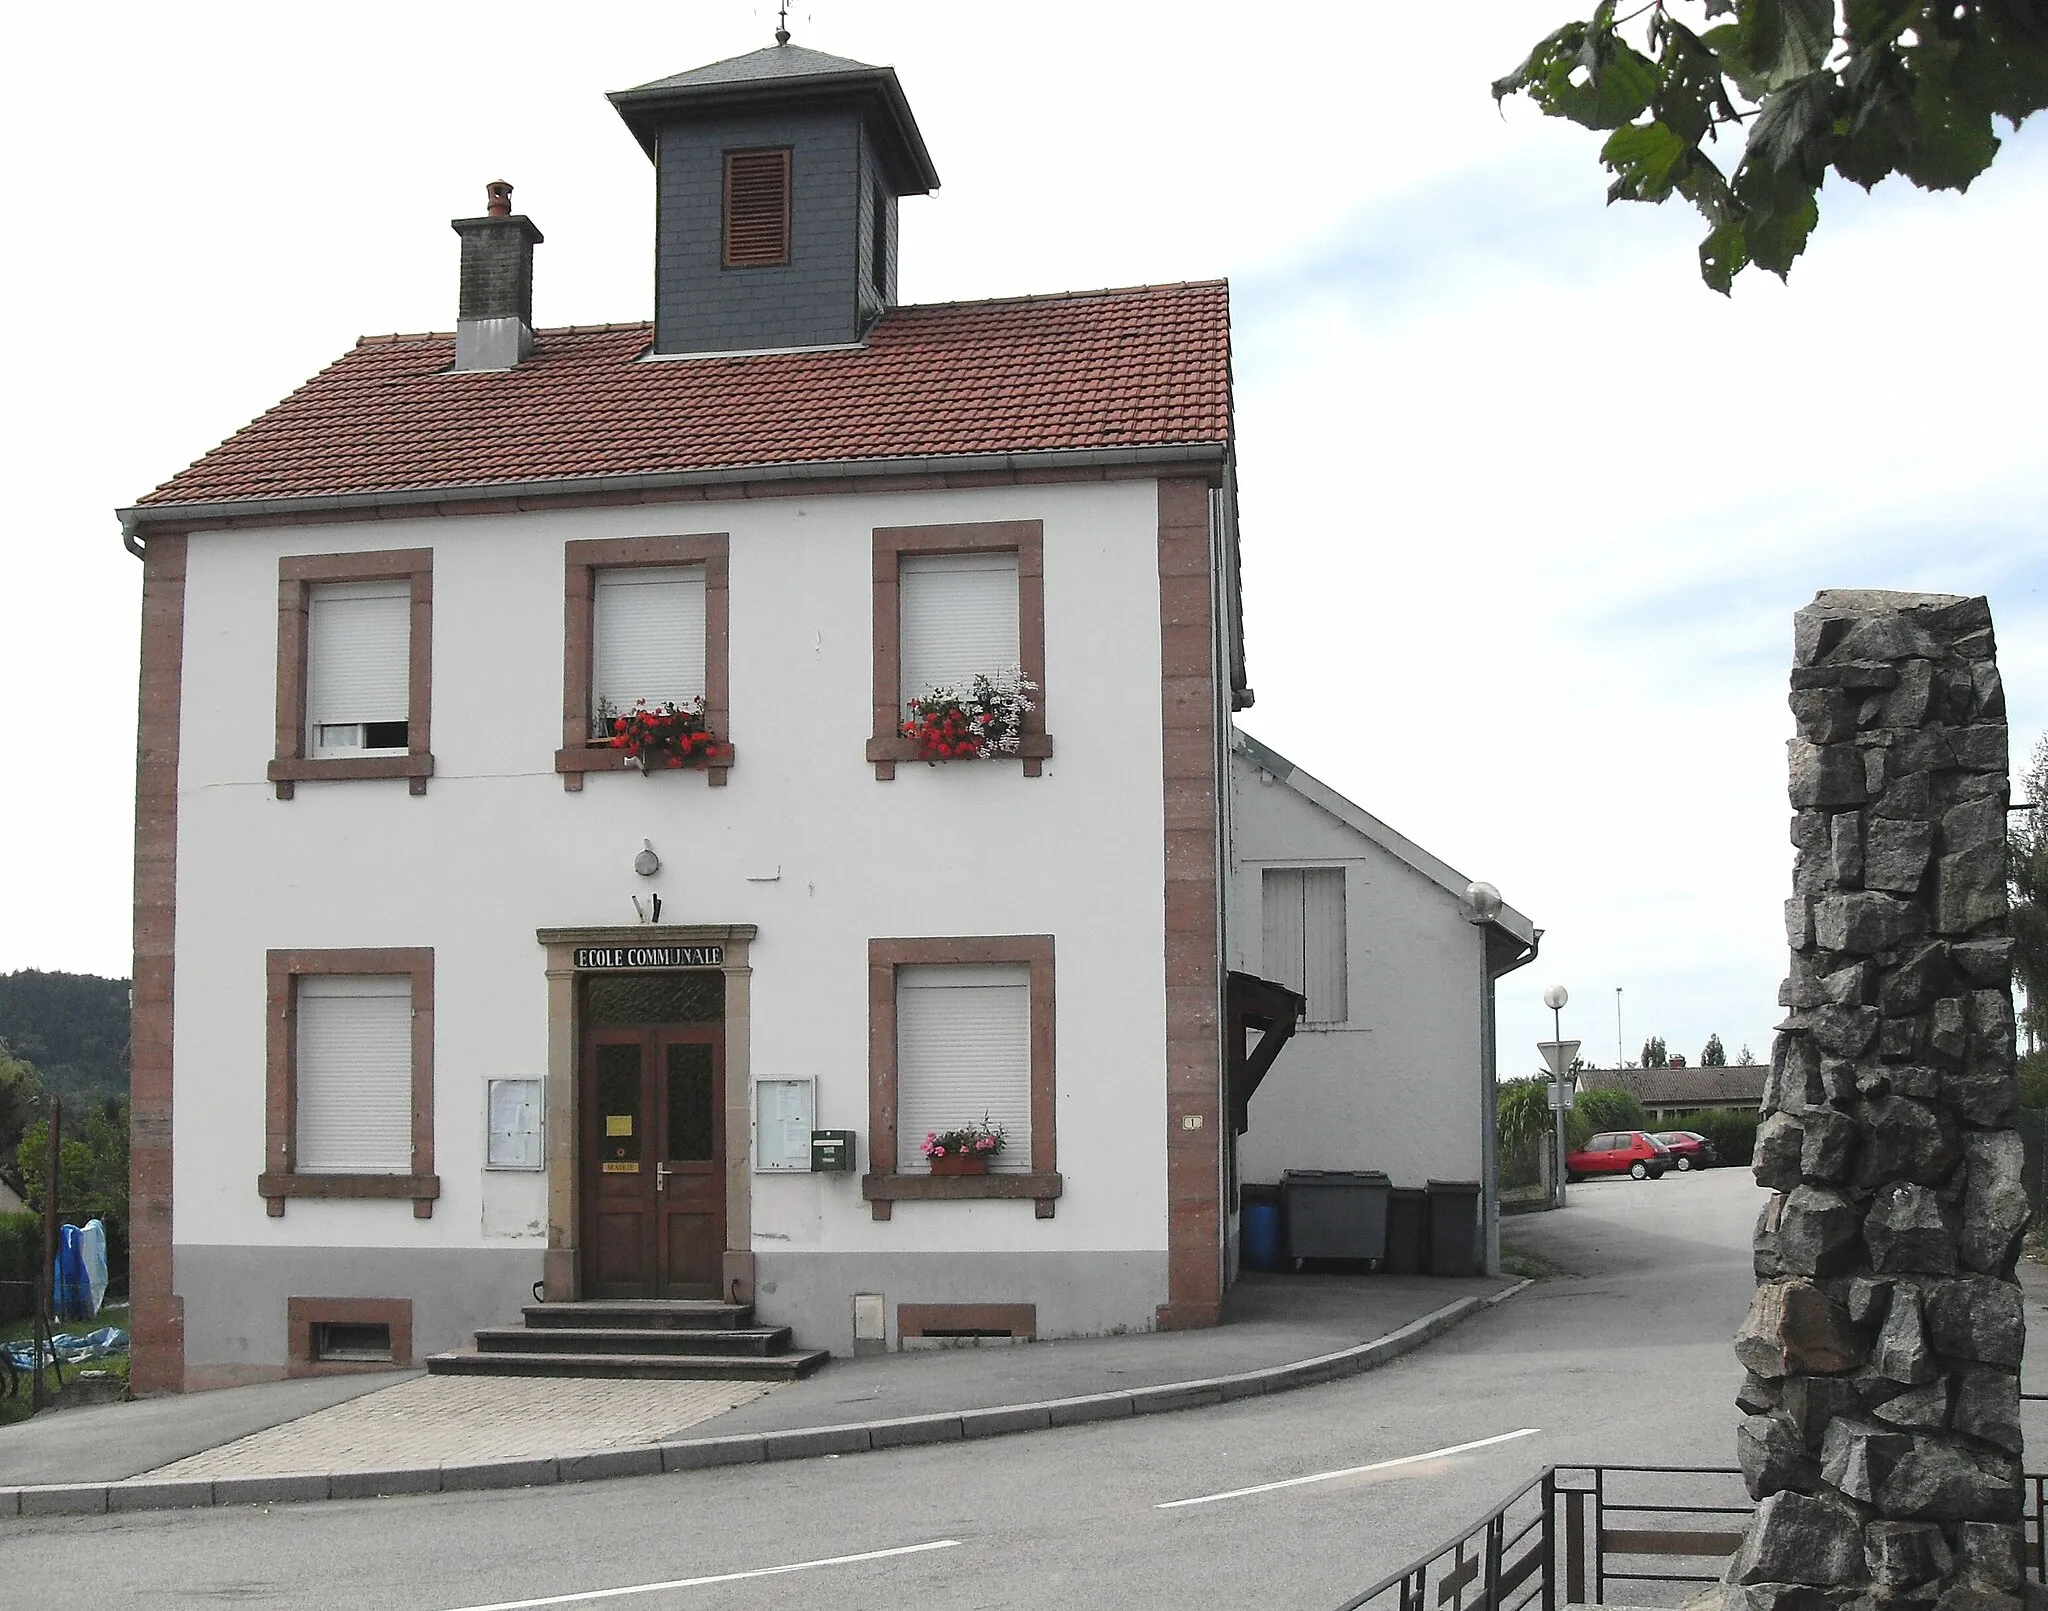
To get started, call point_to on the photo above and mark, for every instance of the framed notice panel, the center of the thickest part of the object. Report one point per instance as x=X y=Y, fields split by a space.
x=517 y=1113
x=784 y=1111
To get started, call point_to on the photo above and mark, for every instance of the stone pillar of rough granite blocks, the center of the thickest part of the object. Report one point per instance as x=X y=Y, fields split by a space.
x=1882 y=1432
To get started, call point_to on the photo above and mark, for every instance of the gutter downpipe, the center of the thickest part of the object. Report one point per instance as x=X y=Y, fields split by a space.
x=1489 y=1146
x=131 y=534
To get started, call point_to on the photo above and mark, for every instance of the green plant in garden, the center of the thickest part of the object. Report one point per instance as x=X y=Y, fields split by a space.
x=1733 y=1134
x=1884 y=87
x=1609 y=1110
x=92 y=1171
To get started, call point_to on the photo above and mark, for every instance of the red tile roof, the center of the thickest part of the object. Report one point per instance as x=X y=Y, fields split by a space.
x=1148 y=367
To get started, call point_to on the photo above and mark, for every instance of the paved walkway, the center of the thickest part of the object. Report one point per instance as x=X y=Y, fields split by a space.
x=464 y=1420
x=428 y=1433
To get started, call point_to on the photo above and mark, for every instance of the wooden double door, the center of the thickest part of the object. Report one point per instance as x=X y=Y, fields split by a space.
x=652 y=1118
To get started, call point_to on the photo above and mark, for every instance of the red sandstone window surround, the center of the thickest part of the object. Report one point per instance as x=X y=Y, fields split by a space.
x=297 y=577
x=884 y=1186
x=582 y=749
x=282 y=1175
x=892 y=544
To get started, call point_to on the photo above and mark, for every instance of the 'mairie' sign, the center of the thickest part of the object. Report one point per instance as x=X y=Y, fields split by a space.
x=649 y=956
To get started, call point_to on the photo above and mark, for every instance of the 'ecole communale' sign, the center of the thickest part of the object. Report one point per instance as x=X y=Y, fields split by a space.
x=649 y=956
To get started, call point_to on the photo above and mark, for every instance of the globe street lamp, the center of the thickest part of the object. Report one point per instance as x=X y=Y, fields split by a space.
x=1559 y=1054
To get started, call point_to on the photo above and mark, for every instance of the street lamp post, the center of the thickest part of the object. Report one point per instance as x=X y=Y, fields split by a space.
x=1559 y=1054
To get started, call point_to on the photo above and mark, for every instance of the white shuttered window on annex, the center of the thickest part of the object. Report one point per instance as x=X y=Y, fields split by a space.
x=358 y=653
x=1303 y=938
x=958 y=617
x=648 y=623
x=354 y=1075
x=963 y=1049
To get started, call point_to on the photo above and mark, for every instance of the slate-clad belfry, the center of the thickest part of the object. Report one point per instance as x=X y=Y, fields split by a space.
x=1882 y=1433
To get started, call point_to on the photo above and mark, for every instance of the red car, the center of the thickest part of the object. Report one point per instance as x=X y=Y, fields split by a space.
x=1689 y=1149
x=1619 y=1152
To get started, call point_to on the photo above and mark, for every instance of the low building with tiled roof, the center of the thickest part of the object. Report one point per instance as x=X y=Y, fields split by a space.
x=542 y=891
x=1738 y=1087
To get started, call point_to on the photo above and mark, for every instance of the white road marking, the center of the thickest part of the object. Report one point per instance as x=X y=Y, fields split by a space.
x=705 y=1582
x=1332 y=1476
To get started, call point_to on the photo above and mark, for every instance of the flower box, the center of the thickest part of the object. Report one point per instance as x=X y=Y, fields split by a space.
x=664 y=739
x=978 y=722
x=965 y=1163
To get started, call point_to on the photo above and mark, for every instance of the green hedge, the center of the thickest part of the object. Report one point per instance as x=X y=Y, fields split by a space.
x=1609 y=1110
x=1733 y=1134
x=21 y=1250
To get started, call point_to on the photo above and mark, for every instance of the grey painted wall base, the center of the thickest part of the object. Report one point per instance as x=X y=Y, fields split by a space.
x=235 y=1296
x=1076 y=1294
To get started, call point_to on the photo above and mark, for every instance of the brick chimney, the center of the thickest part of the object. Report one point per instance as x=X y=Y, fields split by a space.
x=494 y=323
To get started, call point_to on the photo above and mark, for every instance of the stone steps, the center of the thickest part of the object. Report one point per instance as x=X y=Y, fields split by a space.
x=786 y=1367
x=640 y=1339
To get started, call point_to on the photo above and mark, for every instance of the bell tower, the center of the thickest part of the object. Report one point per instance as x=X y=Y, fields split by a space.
x=777 y=176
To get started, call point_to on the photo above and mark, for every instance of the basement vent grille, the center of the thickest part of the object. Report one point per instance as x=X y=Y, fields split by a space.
x=756 y=208
x=351 y=1341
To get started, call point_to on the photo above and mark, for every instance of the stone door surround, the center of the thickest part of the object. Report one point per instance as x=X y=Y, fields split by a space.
x=561 y=1278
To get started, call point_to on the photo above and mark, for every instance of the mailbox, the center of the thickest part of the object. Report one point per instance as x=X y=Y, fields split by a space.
x=831 y=1151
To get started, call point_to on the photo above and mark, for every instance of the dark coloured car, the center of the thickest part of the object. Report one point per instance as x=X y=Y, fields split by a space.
x=1689 y=1149
x=1619 y=1152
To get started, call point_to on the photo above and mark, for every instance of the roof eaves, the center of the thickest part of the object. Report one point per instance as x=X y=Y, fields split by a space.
x=1357 y=818
x=1207 y=454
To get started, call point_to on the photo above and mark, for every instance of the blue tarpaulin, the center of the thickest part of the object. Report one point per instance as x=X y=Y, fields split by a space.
x=73 y=1348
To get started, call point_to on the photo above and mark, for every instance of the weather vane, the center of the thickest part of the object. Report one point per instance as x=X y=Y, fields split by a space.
x=782 y=23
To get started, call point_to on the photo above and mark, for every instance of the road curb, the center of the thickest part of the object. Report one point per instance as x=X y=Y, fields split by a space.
x=700 y=1454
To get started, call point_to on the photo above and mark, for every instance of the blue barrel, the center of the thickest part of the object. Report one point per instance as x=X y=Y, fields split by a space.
x=1262 y=1235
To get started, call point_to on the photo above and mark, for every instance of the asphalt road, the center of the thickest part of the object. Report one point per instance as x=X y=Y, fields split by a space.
x=1628 y=1360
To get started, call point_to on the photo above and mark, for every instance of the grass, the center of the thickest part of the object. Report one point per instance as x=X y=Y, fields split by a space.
x=21 y=1405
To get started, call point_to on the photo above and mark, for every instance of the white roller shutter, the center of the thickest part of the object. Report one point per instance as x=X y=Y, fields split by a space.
x=354 y=1075
x=963 y=1049
x=358 y=653
x=1280 y=927
x=649 y=630
x=959 y=619
x=1302 y=941
x=1322 y=944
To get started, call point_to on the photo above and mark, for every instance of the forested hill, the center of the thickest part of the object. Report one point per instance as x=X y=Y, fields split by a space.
x=72 y=1026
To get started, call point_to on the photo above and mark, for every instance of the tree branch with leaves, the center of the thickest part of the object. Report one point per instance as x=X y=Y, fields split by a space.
x=1872 y=89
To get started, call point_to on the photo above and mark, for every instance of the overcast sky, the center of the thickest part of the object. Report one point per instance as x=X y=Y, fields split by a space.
x=1527 y=509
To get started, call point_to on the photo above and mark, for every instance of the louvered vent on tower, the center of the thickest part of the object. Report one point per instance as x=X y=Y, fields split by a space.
x=756 y=208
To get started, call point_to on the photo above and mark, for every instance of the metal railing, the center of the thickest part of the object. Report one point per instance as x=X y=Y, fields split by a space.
x=1579 y=1528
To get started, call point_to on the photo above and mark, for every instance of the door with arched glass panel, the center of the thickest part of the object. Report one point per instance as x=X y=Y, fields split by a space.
x=652 y=1134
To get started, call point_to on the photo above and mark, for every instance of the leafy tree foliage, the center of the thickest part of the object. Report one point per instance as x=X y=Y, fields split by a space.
x=21 y=1100
x=92 y=1168
x=73 y=1027
x=2027 y=867
x=1745 y=1056
x=1893 y=86
x=1609 y=1110
x=1713 y=1054
x=1655 y=1054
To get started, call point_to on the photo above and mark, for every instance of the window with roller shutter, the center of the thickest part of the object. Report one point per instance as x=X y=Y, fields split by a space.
x=962 y=1029
x=349 y=1076
x=952 y=603
x=963 y=1053
x=757 y=208
x=1303 y=939
x=354 y=1067
x=358 y=655
x=959 y=619
x=644 y=618
x=648 y=639
x=354 y=668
